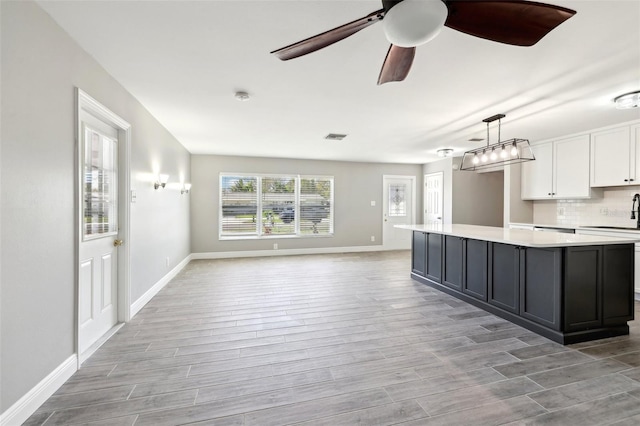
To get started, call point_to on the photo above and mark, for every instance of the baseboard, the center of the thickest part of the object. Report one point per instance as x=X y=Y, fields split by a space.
x=148 y=295
x=29 y=403
x=286 y=252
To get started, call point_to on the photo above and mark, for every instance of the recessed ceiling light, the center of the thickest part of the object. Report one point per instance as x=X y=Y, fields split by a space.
x=242 y=96
x=446 y=152
x=628 y=100
x=335 y=136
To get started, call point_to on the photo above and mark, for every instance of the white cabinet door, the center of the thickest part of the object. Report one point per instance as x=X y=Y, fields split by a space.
x=610 y=157
x=571 y=168
x=634 y=175
x=537 y=181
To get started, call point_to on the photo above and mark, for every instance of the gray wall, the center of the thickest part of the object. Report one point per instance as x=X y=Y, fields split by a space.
x=355 y=186
x=41 y=65
x=515 y=209
x=469 y=197
x=478 y=198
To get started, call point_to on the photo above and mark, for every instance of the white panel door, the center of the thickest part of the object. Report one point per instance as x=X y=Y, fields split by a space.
x=398 y=202
x=97 y=278
x=433 y=200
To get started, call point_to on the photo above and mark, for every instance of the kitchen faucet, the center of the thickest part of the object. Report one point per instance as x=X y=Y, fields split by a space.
x=633 y=209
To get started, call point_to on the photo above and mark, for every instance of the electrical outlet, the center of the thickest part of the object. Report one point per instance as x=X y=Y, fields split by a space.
x=373 y=238
x=167 y=262
x=275 y=246
x=373 y=203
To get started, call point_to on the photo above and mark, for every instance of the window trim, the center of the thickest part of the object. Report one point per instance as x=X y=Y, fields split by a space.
x=259 y=233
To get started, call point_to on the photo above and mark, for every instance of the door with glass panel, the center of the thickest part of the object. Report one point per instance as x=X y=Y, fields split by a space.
x=398 y=207
x=98 y=269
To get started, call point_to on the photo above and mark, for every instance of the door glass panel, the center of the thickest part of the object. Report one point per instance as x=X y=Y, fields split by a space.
x=100 y=185
x=397 y=201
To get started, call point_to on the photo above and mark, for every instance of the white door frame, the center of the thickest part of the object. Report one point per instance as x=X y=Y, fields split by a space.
x=86 y=103
x=413 y=198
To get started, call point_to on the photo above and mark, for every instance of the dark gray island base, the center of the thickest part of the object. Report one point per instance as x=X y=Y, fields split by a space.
x=568 y=294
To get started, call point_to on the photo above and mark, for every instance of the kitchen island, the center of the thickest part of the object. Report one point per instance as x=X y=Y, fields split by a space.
x=567 y=287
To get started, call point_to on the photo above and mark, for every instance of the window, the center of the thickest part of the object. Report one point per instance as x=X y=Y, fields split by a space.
x=275 y=205
x=397 y=201
x=100 y=185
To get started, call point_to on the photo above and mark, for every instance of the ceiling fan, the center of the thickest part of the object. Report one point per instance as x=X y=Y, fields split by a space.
x=410 y=23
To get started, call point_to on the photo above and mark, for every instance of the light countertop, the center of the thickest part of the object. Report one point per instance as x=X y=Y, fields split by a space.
x=600 y=228
x=519 y=237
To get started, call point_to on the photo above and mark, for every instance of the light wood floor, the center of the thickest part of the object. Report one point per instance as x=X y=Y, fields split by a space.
x=338 y=340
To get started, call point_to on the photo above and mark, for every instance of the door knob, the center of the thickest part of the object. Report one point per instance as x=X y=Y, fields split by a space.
x=117 y=243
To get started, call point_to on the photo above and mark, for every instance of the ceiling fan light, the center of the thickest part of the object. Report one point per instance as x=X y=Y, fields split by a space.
x=628 y=100
x=411 y=23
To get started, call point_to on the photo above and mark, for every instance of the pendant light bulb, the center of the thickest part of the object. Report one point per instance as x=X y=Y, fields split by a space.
x=514 y=150
x=475 y=160
x=503 y=152
x=493 y=155
x=484 y=157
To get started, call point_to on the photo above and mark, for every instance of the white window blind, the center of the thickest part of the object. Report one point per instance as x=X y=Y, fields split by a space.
x=275 y=206
x=239 y=205
x=316 y=200
x=278 y=205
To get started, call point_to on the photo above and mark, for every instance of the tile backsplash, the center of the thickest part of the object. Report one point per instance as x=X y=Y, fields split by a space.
x=612 y=209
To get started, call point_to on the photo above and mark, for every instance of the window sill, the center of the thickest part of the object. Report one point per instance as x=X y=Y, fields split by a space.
x=270 y=237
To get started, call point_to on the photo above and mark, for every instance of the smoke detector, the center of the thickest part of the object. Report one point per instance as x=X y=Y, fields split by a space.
x=242 y=96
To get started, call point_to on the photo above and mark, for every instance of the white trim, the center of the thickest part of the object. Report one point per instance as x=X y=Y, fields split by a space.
x=101 y=341
x=285 y=252
x=148 y=295
x=32 y=400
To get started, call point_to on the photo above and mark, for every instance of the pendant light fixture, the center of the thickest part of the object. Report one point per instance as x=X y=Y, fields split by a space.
x=500 y=153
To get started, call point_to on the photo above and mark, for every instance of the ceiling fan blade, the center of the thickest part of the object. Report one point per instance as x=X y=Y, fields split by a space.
x=521 y=23
x=327 y=38
x=397 y=64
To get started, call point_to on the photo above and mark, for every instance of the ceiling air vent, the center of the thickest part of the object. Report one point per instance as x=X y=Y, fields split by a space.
x=335 y=136
x=476 y=140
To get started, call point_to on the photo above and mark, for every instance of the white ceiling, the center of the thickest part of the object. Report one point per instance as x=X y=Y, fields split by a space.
x=184 y=60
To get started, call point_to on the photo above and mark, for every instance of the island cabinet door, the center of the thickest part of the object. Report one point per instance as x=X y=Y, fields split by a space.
x=617 y=293
x=582 y=288
x=504 y=276
x=453 y=262
x=475 y=269
x=419 y=251
x=434 y=257
x=540 y=285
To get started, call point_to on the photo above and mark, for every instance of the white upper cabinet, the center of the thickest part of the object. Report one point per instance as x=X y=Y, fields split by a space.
x=536 y=180
x=560 y=170
x=571 y=168
x=614 y=154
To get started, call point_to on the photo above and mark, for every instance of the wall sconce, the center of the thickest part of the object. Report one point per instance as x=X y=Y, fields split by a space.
x=185 y=188
x=161 y=181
